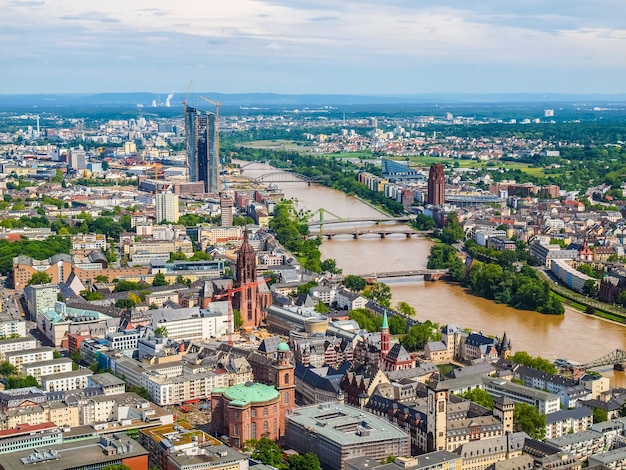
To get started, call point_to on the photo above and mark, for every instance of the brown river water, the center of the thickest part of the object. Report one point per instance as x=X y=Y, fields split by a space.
x=574 y=336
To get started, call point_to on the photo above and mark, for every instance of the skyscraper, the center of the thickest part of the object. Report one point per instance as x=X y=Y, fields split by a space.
x=201 y=139
x=436 y=185
x=167 y=207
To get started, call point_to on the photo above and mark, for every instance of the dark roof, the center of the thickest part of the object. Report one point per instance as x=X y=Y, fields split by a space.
x=270 y=345
x=478 y=339
x=319 y=378
x=574 y=413
x=398 y=354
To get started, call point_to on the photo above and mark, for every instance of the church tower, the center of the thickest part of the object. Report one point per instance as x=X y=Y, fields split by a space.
x=246 y=299
x=284 y=381
x=385 y=338
x=436 y=431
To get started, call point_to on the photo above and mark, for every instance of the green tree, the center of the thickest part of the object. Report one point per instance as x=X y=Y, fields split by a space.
x=397 y=325
x=379 y=292
x=405 y=309
x=161 y=331
x=159 y=280
x=308 y=461
x=321 y=307
x=6 y=368
x=479 y=396
x=539 y=363
x=125 y=286
x=89 y=295
x=600 y=415
x=237 y=319
x=590 y=288
x=424 y=222
x=124 y=303
x=40 y=277
x=330 y=266
x=56 y=354
x=528 y=419
x=354 y=283
x=141 y=391
x=102 y=278
x=418 y=335
x=265 y=451
x=117 y=467
x=19 y=381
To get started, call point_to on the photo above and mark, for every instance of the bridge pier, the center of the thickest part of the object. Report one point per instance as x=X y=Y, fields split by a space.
x=356 y=235
x=408 y=234
x=620 y=367
x=383 y=235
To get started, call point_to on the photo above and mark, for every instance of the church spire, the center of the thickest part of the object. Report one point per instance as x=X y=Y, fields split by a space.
x=385 y=338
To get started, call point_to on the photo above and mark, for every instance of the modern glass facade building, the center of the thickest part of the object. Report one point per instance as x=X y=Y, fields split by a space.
x=201 y=138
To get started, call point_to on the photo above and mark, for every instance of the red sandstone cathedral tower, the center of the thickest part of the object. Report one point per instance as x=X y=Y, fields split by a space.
x=247 y=299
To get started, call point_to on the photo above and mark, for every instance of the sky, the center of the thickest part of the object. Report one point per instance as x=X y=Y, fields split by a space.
x=370 y=47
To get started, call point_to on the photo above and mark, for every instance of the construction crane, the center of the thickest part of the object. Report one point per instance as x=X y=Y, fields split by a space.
x=184 y=102
x=156 y=167
x=229 y=295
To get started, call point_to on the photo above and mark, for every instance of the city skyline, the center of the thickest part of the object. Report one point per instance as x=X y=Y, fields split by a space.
x=298 y=46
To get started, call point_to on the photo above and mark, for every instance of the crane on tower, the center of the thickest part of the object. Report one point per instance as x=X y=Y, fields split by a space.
x=229 y=295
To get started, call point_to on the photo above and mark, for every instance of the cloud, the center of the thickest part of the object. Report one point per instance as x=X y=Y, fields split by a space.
x=330 y=41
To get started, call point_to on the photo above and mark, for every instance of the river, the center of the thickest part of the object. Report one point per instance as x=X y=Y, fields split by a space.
x=574 y=336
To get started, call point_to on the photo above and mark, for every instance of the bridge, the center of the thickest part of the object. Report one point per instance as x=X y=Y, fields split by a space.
x=284 y=176
x=616 y=358
x=358 y=233
x=429 y=274
x=376 y=220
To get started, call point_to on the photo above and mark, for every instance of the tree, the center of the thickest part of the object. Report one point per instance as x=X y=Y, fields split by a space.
x=539 y=363
x=161 y=331
x=237 y=319
x=40 y=277
x=19 y=381
x=397 y=325
x=330 y=266
x=6 y=368
x=405 y=309
x=102 y=278
x=89 y=295
x=354 y=283
x=124 y=303
x=125 y=286
x=266 y=451
x=599 y=415
x=590 y=288
x=308 y=461
x=479 y=396
x=56 y=354
x=418 y=335
x=379 y=292
x=159 y=280
x=528 y=419
x=321 y=307
x=120 y=466
x=424 y=222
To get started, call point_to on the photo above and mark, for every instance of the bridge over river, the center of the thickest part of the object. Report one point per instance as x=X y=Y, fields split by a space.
x=429 y=274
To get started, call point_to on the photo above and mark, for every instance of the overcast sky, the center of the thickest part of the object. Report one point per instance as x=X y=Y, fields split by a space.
x=323 y=46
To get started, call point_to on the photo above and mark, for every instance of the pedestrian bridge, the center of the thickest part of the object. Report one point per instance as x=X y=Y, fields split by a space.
x=615 y=358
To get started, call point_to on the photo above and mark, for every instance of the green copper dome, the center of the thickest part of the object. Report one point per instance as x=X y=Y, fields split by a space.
x=250 y=392
x=282 y=347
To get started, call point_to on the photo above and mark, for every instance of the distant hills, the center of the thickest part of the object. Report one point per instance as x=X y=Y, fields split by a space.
x=296 y=100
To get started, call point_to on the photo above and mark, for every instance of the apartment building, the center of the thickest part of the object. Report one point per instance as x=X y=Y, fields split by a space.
x=29 y=356
x=53 y=366
x=16 y=344
x=66 y=381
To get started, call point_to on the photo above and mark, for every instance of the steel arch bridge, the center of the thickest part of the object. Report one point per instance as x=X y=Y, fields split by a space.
x=616 y=358
x=285 y=176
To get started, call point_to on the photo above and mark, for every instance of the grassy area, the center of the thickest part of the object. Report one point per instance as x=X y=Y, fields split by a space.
x=365 y=154
x=583 y=308
x=418 y=160
x=289 y=145
x=445 y=369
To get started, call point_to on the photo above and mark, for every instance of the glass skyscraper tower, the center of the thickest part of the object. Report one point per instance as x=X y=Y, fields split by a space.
x=203 y=162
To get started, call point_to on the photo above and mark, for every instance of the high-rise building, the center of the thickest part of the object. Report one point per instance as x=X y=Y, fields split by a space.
x=226 y=208
x=167 y=207
x=436 y=185
x=246 y=299
x=78 y=159
x=201 y=139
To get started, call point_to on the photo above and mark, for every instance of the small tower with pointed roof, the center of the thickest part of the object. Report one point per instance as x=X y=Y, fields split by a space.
x=505 y=347
x=385 y=337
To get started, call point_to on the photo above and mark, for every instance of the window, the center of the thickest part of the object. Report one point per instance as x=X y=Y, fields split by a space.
x=286 y=398
x=286 y=378
x=253 y=430
x=253 y=411
x=265 y=426
x=265 y=411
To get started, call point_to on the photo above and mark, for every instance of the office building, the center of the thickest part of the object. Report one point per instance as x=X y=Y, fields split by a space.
x=226 y=209
x=201 y=139
x=40 y=298
x=436 y=185
x=167 y=207
x=336 y=433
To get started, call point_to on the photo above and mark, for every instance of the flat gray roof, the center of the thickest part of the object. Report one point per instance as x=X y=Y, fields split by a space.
x=344 y=424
